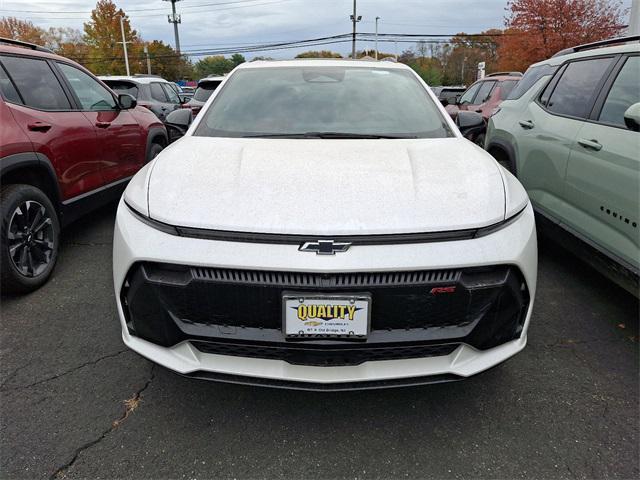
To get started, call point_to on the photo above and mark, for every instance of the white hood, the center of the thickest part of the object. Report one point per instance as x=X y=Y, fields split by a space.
x=326 y=187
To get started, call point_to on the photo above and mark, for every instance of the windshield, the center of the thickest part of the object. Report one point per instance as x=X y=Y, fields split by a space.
x=531 y=76
x=323 y=102
x=204 y=90
x=119 y=86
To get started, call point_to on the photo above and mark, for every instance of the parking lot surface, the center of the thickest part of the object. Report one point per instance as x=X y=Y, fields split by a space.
x=75 y=403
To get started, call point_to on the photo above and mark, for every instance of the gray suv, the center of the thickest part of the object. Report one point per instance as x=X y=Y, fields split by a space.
x=152 y=92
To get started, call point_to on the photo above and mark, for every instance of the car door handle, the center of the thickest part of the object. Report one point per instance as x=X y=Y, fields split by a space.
x=38 y=126
x=103 y=124
x=590 y=144
x=526 y=124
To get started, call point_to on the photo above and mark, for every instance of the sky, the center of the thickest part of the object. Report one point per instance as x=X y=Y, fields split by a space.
x=211 y=24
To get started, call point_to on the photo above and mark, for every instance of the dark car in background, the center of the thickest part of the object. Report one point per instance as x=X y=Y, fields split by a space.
x=206 y=87
x=484 y=97
x=152 y=92
x=448 y=94
x=68 y=145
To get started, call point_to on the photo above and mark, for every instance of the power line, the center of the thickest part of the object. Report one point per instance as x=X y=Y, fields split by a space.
x=130 y=9
x=29 y=17
x=248 y=48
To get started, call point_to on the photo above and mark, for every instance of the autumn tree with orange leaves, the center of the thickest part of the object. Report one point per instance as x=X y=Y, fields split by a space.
x=12 y=27
x=536 y=29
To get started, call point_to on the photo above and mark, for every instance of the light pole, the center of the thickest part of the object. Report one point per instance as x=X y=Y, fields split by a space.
x=355 y=19
x=146 y=52
x=175 y=19
x=464 y=60
x=377 y=18
x=124 y=45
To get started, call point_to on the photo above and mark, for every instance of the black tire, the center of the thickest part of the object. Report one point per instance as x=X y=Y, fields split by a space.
x=479 y=140
x=506 y=163
x=502 y=158
x=29 y=238
x=154 y=150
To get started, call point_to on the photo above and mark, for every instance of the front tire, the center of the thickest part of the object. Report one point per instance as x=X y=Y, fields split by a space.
x=29 y=238
x=154 y=150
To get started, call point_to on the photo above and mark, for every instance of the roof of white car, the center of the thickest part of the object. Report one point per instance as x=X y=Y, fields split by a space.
x=321 y=62
x=133 y=79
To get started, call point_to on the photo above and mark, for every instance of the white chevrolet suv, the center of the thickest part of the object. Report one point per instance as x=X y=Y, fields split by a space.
x=324 y=225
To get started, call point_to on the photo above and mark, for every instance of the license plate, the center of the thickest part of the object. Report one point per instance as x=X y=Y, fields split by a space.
x=324 y=315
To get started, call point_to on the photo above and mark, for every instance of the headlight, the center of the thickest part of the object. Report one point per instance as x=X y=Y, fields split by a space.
x=163 y=227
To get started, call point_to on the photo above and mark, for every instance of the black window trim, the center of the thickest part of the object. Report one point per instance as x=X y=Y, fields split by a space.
x=553 y=83
x=63 y=84
x=604 y=92
x=78 y=104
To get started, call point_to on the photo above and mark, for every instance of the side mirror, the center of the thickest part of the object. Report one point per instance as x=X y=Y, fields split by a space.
x=457 y=99
x=177 y=123
x=127 y=101
x=469 y=123
x=632 y=117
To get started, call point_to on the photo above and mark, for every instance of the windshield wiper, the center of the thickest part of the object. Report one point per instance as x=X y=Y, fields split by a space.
x=327 y=135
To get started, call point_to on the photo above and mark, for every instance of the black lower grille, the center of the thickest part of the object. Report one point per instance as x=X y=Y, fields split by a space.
x=239 y=312
x=324 y=356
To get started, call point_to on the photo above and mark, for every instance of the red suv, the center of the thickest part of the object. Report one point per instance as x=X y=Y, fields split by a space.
x=484 y=97
x=68 y=144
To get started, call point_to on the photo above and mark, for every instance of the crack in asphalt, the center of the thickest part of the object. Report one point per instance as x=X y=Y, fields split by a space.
x=13 y=374
x=61 y=470
x=61 y=374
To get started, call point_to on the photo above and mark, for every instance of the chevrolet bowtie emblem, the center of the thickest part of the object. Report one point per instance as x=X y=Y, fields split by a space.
x=324 y=247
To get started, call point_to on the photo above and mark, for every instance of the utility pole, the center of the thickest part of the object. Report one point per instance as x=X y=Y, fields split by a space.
x=354 y=19
x=634 y=18
x=175 y=19
x=464 y=60
x=377 y=18
x=124 y=45
x=146 y=52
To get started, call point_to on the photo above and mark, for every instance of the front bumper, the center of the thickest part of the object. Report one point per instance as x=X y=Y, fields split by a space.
x=187 y=347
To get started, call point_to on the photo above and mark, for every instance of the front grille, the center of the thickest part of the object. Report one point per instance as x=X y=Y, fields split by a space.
x=239 y=312
x=321 y=280
x=324 y=356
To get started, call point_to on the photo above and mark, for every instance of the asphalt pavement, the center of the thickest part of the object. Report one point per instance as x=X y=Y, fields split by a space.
x=75 y=403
